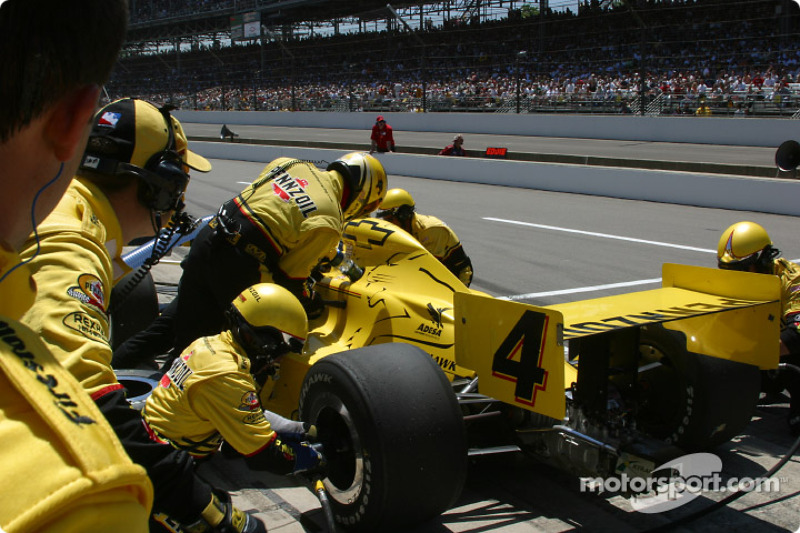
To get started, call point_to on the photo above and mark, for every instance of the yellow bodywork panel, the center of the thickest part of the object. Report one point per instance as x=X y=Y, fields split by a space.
x=517 y=350
x=404 y=295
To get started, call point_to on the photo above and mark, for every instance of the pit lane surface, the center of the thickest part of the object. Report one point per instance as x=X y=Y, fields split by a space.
x=476 y=144
x=545 y=248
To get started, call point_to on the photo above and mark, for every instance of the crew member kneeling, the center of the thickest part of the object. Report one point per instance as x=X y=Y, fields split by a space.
x=210 y=394
x=398 y=208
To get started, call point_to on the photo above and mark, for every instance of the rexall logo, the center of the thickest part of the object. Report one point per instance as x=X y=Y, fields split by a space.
x=677 y=482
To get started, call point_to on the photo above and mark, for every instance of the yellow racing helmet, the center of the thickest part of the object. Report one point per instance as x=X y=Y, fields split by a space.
x=396 y=198
x=398 y=205
x=367 y=182
x=267 y=321
x=744 y=244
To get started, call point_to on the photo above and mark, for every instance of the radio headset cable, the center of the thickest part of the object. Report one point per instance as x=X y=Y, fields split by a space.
x=180 y=225
x=739 y=493
x=34 y=224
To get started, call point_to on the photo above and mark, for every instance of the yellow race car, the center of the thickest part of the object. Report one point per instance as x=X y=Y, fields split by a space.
x=408 y=373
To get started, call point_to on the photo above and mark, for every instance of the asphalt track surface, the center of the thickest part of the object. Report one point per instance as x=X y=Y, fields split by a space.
x=747 y=160
x=544 y=248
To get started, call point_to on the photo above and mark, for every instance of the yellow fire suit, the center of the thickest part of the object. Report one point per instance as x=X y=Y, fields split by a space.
x=209 y=396
x=295 y=218
x=80 y=258
x=62 y=466
x=276 y=230
x=442 y=242
x=789 y=273
x=81 y=245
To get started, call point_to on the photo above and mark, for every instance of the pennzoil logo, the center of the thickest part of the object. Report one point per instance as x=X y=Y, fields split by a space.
x=178 y=373
x=289 y=188
x=250 y=402
x=89 y=291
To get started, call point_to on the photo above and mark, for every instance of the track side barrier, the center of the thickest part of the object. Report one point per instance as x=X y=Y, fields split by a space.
x=765 y=195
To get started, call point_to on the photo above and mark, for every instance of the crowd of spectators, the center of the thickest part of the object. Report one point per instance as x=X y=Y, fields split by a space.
x=739 y=57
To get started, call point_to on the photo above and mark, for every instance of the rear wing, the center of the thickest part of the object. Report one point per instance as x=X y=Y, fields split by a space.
x=518 y=350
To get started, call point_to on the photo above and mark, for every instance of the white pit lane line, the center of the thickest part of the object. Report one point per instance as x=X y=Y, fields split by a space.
x=580 y=289
x=592 y=288
x=601 y=235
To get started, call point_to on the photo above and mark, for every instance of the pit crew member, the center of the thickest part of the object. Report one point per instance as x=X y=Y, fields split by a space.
x=63 y=468
x=211 y=392
x=398 y=208
x=275 y=231
x=134 y=171
x=747 y=247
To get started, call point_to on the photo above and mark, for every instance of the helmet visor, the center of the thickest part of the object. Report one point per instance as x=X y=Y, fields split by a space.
x=268 y=342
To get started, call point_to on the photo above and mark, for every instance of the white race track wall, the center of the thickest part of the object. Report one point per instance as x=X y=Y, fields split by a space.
x=702 y=130
x=778 y=196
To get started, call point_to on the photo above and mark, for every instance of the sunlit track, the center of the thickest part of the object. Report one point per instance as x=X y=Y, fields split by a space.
x=577 y=290
x=601 y=235
x=586 y=247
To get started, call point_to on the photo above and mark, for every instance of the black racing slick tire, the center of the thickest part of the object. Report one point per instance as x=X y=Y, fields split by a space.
x=392 y=433
x=695 y=402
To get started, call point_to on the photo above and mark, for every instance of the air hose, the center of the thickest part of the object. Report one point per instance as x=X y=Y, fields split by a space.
x=322 y=494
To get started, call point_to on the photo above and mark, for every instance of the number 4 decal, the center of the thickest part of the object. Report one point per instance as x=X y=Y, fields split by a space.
x=519 y=357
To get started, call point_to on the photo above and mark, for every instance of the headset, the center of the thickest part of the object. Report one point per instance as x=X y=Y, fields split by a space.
x=162 y=181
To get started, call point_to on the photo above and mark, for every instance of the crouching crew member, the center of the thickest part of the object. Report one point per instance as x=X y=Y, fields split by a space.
x=210 y=395
x=441 y=241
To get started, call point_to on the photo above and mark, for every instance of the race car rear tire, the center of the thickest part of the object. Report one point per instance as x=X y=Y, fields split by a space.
x=392 y=433
x=695 y=402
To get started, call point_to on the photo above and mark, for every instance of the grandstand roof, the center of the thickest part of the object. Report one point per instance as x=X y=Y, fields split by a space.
x=273 y=13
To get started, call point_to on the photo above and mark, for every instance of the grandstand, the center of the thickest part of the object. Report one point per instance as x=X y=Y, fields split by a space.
x=656 y=57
